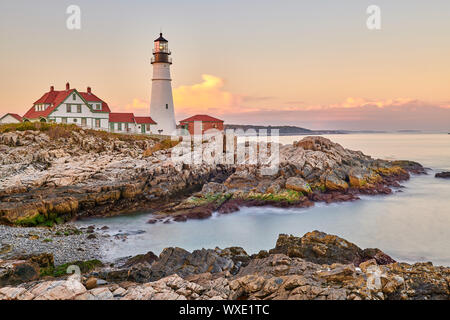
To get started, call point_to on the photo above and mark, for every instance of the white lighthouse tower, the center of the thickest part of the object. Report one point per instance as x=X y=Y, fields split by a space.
x=161 y=105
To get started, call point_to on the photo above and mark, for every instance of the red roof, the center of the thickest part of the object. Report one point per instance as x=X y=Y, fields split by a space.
x=202 y=117
x=14 y=115
x=144 y=120
x=55 y=98
x=90 y=97
x=121 y=117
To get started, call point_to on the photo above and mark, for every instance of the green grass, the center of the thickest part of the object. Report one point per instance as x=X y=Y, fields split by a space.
x=320 y=188
x=59 y=130
x=40 y=220
x=218 y=199
x=59 y=271
x=290 y=196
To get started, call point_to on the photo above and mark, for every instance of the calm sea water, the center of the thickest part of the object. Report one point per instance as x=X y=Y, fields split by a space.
x=412 y=225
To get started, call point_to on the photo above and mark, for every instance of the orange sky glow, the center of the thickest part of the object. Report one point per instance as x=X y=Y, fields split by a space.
x=304 y=63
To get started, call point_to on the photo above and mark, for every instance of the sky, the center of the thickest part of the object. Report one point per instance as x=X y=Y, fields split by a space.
x=313 y=64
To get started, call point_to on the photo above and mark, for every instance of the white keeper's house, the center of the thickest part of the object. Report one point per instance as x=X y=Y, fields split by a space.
x=84 y=109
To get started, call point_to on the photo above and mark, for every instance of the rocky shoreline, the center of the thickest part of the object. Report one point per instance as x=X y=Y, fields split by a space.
x=66 y=242
x=48 y=177
x=53 y=176
x=317 y=266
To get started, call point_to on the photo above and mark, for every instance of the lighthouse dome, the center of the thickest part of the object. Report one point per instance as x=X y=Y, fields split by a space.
x=161 y=38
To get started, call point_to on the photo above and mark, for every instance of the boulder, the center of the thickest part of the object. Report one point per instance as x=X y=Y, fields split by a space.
x=14 y=272
x=213 y=188
x=59 y=290
x=147 y=258
x=322 y=248
x=91 y=283
x=444 y=175
x=334 y=183
x=181 y=262
x=298 y=184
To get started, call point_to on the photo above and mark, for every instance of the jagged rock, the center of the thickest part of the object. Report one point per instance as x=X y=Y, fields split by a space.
x=266 y=276
x=18 y=271
x=58 y=290
x=43 y=260
x=147 y=258
x=183 y=263
x=445 y=175
x=334 y=183
x=298 y=184
x=84 y=174
x=319 y=247
x=213 y=188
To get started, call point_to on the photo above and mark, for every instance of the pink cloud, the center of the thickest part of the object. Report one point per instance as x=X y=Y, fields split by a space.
x=354 y=113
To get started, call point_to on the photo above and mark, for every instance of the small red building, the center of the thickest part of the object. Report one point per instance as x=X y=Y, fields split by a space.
x=204 y=122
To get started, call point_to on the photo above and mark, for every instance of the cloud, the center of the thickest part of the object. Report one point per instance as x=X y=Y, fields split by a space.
x=205 y=97
x=354 y=113
x=393 y=114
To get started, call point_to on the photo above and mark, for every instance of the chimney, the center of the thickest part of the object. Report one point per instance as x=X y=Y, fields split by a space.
x=89 y=90
x=67 y=86
x=52 y=88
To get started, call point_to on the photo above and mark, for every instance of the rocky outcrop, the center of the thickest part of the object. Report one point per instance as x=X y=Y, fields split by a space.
x=321 y=248
x=444 y=175
x=316 y=266
x=45 y=180
x=298 y=184
x=176 y=261
x=47 y=177
x=18 y=271
x=311 y=170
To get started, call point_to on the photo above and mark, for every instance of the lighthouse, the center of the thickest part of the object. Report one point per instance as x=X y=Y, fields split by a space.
x=161 y=105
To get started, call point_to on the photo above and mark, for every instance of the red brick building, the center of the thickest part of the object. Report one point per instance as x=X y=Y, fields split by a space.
x=204 y=122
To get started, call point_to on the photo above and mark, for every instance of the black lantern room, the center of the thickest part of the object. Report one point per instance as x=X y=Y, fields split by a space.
x=161 y=51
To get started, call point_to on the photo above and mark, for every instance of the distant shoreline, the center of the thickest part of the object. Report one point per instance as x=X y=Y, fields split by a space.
x=299 y=131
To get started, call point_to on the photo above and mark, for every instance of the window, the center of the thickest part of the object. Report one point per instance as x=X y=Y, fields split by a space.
x=99 y=107
x=147 y=127
x=111 y=126
x=167 y=106
x=127 y=127
x=119 y=126
x=74 y=97
x=75 y=120
x=83 y=121
x=79 y=108
x=63 y=120
x=97 y=123
x=68 y=108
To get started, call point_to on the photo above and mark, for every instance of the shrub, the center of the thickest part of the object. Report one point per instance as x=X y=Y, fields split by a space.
x=59 y=271
x=163 y=145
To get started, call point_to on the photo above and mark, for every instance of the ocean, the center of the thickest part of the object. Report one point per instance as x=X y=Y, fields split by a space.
x=411 y=225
